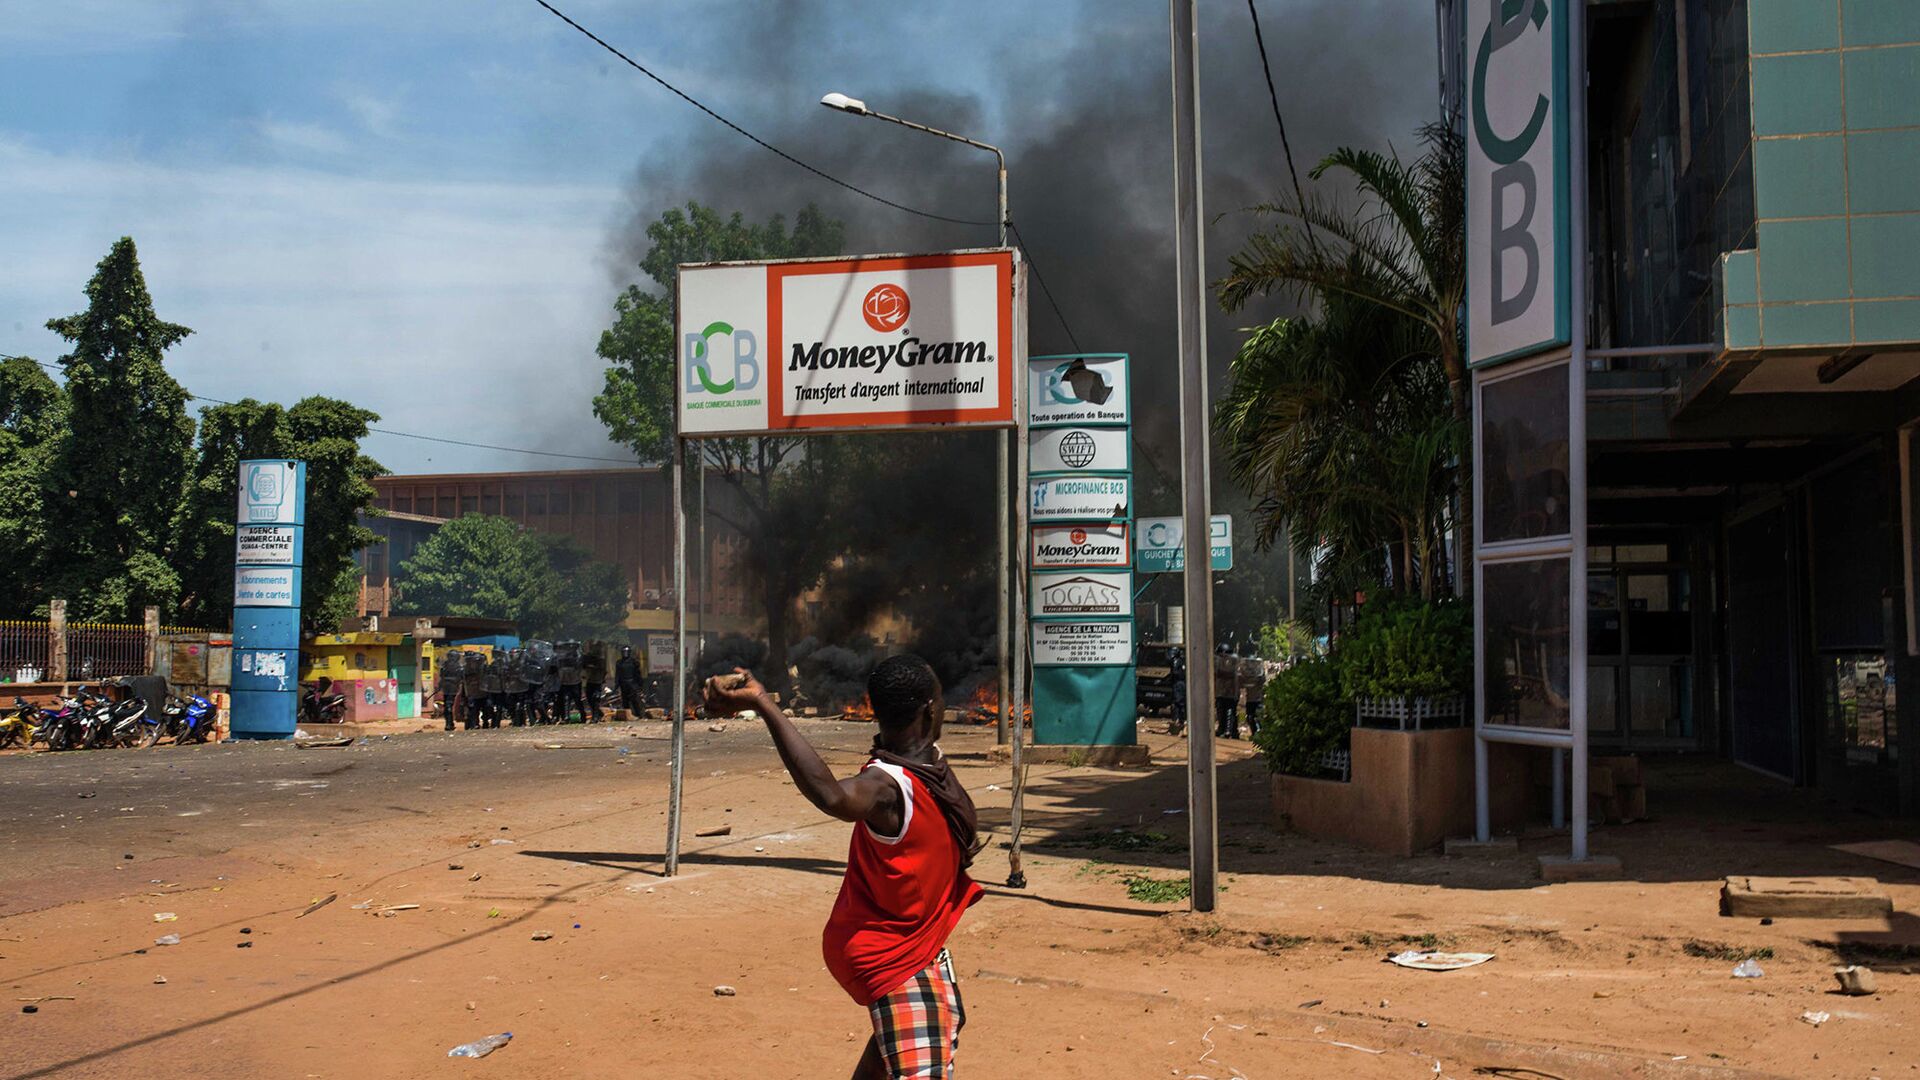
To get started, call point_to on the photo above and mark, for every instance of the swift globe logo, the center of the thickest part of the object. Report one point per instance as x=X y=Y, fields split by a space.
x=886 y=308
x=698 y=358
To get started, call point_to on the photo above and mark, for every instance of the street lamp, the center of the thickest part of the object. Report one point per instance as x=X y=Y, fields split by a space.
x=1016 y=878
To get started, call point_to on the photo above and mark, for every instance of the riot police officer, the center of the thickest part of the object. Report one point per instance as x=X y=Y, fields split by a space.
x=1226 y=692
x=533 y=670
x=513 y=680
x=447 y=683
x=567 y=657
x=474 y=702
x=627 y=677
x=496 y=684
x=550 y=688
x=593 y=669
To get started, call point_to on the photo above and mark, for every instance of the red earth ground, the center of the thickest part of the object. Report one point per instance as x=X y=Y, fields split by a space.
x=497 y=836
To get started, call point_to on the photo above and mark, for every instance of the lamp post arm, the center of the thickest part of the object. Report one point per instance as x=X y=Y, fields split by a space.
x=1001 y=158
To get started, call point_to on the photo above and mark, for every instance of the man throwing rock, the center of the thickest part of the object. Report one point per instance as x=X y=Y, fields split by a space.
x=906 y=883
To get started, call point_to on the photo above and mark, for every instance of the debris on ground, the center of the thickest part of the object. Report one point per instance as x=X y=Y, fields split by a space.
x=1815 y=1018
x=475 y=876
x=480 y=1048
x=308 y=744
x=1855 y=981
x=318 y=904
x=1748 y=969
x=246 y=929
x=499 y=840
x=455 y=866
x=159 y=980
x=395 y=909
x=724 y=991
x=716 y=727
x=1438 y=961
x=168 y=939
x=723 y=830
x=243 y=945
x=29 y=1008
x=542 y=935
x=164 y=916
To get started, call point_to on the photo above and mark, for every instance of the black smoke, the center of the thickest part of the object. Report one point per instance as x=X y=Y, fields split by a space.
x=1084 y=114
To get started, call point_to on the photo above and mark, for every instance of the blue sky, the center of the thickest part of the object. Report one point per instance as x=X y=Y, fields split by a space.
x=414 y=205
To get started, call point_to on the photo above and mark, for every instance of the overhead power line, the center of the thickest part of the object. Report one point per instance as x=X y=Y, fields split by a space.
x=762 y=143
x=390 y=431
x=1273 y=96
x=821 y=173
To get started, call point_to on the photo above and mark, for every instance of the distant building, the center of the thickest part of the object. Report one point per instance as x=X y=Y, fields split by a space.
x=622 y=516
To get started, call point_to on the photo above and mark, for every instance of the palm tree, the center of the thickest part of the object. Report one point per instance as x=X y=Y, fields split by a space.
x=1399 y=256
x=1339 y=427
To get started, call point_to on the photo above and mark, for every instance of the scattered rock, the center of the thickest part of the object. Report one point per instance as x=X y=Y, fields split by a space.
x=716 y=727
x=724 y=991
x=455 y=866
x=470 y=1006
x=721 y=830
x=475 y=876
x=246 y=929
x=542 y=935
x=759 y=849
x=169 y=939
x=159 y=980
x=1856 y=981
x=36 y=1008
x=129 y=855
x=1603 y=993
x=243 y=945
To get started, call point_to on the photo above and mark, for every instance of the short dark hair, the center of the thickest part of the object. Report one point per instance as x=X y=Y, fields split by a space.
x=899 y=687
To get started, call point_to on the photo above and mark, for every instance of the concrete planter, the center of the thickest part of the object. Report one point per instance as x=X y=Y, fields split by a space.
x=1409 y=791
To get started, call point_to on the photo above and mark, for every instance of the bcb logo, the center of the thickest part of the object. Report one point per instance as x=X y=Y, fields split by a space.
x=699 y=360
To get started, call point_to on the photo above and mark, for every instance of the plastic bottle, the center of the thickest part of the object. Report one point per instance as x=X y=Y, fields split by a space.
x=480 y=1048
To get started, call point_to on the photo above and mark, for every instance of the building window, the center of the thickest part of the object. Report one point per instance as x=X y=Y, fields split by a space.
x=490 y=502
x=516 y=504
x=469 y=504
x=537 y=502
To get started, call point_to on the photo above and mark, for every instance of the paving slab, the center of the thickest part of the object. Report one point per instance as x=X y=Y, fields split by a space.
x=1804 y=898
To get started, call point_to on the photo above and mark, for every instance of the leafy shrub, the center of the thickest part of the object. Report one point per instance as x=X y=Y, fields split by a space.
x=1405 y=646
x=1306 y=714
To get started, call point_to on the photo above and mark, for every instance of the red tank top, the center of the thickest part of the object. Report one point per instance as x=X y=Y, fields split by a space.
x=900 y=899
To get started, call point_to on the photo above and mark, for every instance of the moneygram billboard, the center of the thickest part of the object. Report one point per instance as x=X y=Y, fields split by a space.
x=883 y=341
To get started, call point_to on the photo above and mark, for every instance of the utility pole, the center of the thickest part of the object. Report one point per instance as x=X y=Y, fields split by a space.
x=1190 y=274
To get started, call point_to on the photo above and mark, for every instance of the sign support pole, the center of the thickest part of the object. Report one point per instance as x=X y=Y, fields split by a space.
x=1002 y=482
x=1190 y=277
x=1577 y=420
x=679 y=656
x=1016 y=873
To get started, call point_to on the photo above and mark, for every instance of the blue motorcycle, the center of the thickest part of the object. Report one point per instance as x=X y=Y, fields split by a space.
x=189 y=721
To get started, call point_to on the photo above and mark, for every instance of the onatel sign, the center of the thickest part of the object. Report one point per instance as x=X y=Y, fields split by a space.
x=877 y=341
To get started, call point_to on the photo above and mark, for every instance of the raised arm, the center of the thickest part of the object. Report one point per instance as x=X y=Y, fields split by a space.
x=871 y=796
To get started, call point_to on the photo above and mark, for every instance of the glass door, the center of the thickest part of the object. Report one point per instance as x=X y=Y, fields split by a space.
x=1640 y=633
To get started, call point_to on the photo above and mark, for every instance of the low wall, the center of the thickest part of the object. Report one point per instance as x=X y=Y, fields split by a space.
x=1410 y=790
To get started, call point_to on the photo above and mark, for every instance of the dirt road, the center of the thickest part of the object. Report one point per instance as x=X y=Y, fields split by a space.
x=448 y=855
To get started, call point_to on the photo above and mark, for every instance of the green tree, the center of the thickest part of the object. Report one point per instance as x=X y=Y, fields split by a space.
x=326 y=434
x=776 y=497
x=116 y=479
x=485 y=566
x=1345 y=441
x=33 y=415
x=1400 y=254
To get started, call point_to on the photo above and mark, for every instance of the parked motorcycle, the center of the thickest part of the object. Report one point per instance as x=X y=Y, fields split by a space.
x=19 y=727
x=320 y=705
x=189 y=721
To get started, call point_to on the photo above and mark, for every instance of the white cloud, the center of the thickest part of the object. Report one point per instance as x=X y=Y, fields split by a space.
x=304 y=137
x=376 y=114
x=465 y=309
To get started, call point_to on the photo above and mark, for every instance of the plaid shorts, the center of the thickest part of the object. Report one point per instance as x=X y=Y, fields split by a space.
x=917 y=1026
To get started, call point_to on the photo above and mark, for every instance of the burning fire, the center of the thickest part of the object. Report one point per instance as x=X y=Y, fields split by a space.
x=859 y=711
x=984 y=706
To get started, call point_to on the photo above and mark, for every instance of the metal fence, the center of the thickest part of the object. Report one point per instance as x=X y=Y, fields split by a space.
x=24 y=649
x=93 y=650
